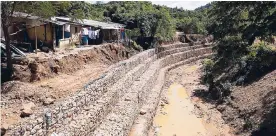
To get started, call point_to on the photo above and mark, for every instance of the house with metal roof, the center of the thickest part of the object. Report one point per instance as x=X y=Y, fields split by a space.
x=59 y=32
x=108 y=31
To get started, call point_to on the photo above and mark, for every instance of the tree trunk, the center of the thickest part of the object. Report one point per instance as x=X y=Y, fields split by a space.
x=8 y=49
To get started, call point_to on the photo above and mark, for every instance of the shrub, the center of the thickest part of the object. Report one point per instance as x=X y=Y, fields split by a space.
x=259 y=61
x=207 y=77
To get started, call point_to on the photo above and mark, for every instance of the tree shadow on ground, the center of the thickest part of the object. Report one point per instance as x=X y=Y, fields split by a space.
x=204 y=95
x=268 y=125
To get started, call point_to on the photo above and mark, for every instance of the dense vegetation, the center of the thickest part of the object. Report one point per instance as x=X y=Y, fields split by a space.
x=151 y=20
x=244 y=32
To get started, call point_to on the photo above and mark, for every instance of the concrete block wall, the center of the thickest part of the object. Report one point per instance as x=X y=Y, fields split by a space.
x=80 y=114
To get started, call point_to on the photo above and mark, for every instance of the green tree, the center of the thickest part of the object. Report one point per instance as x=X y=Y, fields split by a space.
x=235 y=26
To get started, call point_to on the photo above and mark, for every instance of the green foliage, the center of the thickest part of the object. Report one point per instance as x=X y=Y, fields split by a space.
x=46 y=9
x=235 y=26
x=260 y=59
x=136 y=46
x=132 y=32
x=208 y=64
x=165 y=27
x=97 y=13
x=250 y=19
x=153 y=20
x=207 y=78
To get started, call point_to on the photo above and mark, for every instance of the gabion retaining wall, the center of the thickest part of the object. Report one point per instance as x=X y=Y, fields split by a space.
x=123 y=115
x=88 y=110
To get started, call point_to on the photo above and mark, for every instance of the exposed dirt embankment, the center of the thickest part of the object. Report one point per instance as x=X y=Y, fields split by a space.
x=54 y=76
x=40 y=66
x=252 y=108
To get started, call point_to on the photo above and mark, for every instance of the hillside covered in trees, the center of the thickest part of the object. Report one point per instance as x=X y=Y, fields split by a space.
x=151 y=20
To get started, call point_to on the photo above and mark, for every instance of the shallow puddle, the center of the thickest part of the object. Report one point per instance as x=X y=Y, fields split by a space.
x=177 y=118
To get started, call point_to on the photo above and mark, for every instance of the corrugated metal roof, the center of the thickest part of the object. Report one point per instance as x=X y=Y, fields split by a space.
x=103 y=25
x=58 y=22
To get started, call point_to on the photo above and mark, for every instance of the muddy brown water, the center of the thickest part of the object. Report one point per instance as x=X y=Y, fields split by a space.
x=178 y=117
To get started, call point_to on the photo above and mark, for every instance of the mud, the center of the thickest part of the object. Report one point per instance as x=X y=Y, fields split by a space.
x=179 y=113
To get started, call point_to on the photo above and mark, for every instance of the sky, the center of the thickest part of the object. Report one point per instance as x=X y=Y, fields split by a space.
x=189 y=5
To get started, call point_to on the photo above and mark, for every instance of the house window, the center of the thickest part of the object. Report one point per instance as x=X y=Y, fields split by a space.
x=76 y=29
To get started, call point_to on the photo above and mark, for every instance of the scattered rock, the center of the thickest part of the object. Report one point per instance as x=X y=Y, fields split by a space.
x=164 y=113
x=221 y=108
x=26 y=113
x=143 y=112
x=87 y=108
x=127 y=99
x=48 y=101
x=165 y=100
x=3 y=130
x=27 y=109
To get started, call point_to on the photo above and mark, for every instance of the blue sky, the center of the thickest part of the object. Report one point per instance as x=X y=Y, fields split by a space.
x=190 y=5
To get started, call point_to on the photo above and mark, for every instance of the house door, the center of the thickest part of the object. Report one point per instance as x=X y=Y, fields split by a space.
x=59 y=29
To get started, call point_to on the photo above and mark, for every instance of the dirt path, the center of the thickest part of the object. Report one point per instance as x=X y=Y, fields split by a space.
x=184 y=115
x=65 y=84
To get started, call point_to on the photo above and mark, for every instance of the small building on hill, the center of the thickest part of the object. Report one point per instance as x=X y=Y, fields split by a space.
x=106 y=32
x=58 y=32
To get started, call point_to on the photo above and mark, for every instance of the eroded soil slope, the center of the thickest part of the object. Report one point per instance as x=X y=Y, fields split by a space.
x=69 y=72
x=251 y=109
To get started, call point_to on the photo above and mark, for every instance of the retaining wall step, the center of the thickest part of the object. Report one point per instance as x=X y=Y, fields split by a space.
x=123 y=114
x=92 y=115
x=177 y=50
x=81 y=113
x=175 y=46
x=143 y=123
x=171 y=46
x=119 y=121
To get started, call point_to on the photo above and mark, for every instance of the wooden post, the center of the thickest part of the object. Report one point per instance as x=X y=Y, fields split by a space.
x=35 y=41
x=63 y=32
x=118 y=35
x=54 y=36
